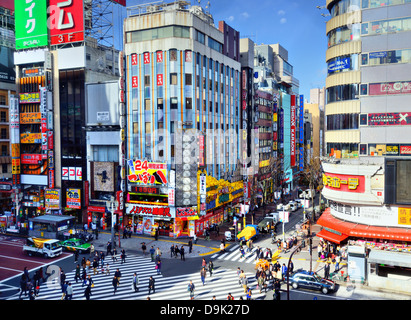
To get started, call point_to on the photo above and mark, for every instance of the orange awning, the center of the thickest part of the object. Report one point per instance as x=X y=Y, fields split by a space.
x=362 y=231
x=331 y=236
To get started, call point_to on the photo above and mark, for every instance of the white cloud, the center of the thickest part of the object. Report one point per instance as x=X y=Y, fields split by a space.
x=281 y=12
x=230 y=19
x=245 y=15
x=283 y=20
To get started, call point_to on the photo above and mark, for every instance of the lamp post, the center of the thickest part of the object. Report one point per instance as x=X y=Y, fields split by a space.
x=113 y=204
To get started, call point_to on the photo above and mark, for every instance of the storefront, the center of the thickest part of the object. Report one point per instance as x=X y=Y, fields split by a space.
x=214 y=216
x=97 y=214
x=144 y=219
x=184 y=224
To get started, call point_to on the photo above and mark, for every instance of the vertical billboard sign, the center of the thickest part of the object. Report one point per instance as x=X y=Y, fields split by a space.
x=292 y=131
x=301 y=132
x=31 y=24
x=66 y=21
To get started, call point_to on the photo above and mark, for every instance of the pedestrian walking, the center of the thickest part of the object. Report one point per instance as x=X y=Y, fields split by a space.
x=244 y=283
x=190 y=246
x=143 y=247
x=151 y=285
x=182 y=253
x=123 y=256
x=107 y=269
x=203 y=263
x=172 y=251
x=135 y=282
x=327 y=270
x=191 y=288
x=117 y=274
x=95 y=265
x=203 y=274
x=152 y=252
x=284 y=271
x=76 y=256
x=69 y=292
x=158 y=253
x=257 y=253
x=277 y=288
x=77 y=274
x=87 y=292
x=249 y=293
x=115 y=283
x=114 y=255
x=23 y=285
x=108 y=248
x=91 y=250
x=158 y=266
x=210 y=267
x=102 y=257
x=337 y=263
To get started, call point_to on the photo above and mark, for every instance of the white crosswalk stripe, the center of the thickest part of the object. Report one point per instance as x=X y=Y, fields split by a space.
x=234 y=254
x=222 y=282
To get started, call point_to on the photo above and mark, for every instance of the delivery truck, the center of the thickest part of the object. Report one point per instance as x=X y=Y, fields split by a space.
x=48 y=248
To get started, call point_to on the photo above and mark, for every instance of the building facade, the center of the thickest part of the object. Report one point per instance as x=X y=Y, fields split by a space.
x=367 y=166
x=183 y=107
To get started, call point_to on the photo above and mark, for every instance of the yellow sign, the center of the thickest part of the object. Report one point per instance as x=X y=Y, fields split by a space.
x=264 y=163
x=30 y=97
x=404 y=216
x=147 y=172
x=30 y=138
x=15 y=166
x=335 y=182
x=32 y=117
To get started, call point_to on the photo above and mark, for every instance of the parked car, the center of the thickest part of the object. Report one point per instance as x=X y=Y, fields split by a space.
x=267 y=224
x=311 y=280
x=75 y=244
x=293 y=206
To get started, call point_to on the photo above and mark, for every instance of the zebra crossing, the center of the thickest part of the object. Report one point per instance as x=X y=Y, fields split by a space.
x=234 y=254
x=222 y=282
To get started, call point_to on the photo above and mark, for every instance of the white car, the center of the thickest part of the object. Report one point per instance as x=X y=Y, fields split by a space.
x=279 y=206
x=293 y=206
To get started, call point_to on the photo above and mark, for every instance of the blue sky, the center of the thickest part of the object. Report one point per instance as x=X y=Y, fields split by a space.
x=297 y=25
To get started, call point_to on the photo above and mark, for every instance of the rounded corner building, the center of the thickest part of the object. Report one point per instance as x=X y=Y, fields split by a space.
x=367 y=167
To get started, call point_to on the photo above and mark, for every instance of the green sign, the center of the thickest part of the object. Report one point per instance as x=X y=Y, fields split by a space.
x=30 y=23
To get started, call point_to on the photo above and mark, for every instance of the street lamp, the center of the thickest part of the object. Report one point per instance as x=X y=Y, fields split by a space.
x=113 y=204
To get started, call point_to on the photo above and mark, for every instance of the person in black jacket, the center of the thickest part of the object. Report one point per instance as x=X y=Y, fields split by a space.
x=151 y=285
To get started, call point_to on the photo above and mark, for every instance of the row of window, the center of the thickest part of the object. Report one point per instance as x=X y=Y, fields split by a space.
x=344 y=34
x=344 y=121
x=158 y=33
x=346 y=6
x=385 y=26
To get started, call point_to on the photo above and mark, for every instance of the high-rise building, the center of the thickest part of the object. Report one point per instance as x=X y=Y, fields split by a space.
x=367 y=168
x=183 y=107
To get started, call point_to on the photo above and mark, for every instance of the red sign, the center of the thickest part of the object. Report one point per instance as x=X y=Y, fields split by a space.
x=405 y=150
x=159 y=56
x=31 y=158
x=146 y=58
x=389 y=119
x=159 y=79
x=343 y=182
x=134 y=60
x=96 y=209
x=292 y=131
x=145 y=190
x=377 y=89
x=134 y=82
x=185 y=212
x=66 y=21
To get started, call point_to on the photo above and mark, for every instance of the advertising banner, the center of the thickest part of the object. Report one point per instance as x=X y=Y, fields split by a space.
x=66 y=21
x=376 y=89
x=343 y=182
x=52 y=198
x=147 y=172
x=31 y=24
x=292 y=132
x=389 y=119
x=73 y=199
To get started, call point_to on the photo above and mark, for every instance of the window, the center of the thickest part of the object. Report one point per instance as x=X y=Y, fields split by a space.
x=189 y=103
x=173 y=55
x=189 y=79
x=105 y=153
x=146 y=81
x=173 y=79
x=147 y=104
x=158 y=33
x=3 y=116
x=200 y=37
x=160 y=103
x=215 y=45
x=174 y=103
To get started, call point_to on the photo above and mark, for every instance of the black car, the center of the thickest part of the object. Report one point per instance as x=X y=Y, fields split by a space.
x=311 y=280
